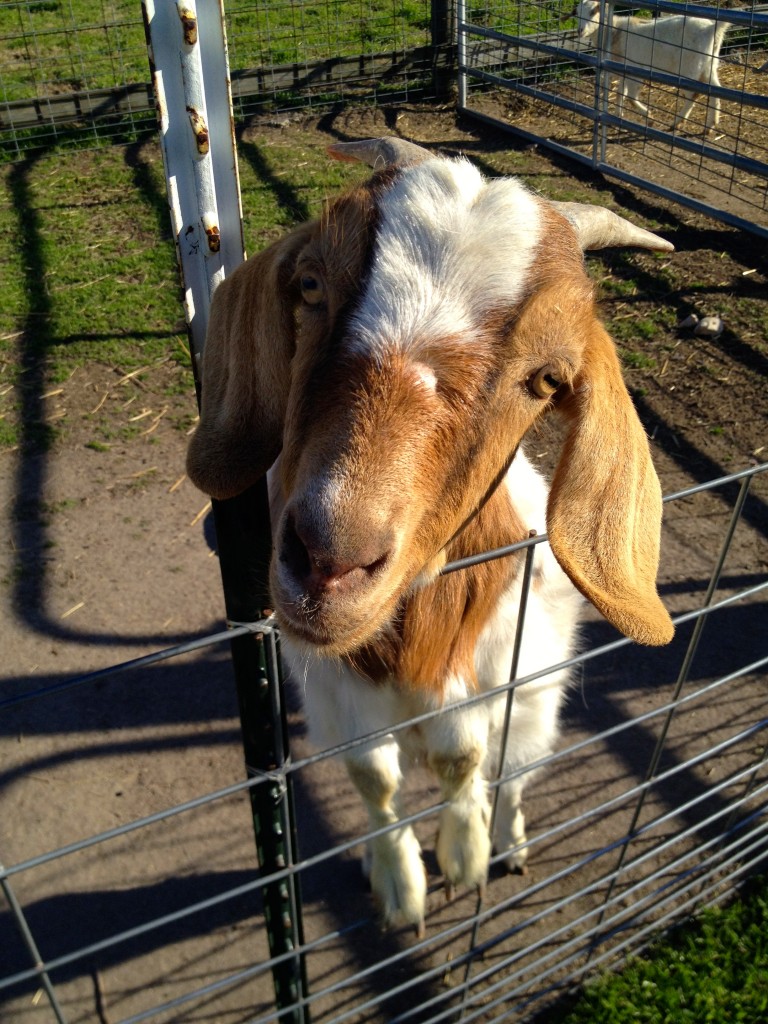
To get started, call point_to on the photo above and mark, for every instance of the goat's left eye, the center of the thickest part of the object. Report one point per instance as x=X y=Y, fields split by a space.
x=311 y=289
x=544 y=383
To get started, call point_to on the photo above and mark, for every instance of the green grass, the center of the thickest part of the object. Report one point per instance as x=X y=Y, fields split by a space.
x=94 y=280
x=90 y=45
x=711 y=971
x=88 y=270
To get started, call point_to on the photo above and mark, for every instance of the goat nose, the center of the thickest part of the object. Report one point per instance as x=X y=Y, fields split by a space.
x=318 y=568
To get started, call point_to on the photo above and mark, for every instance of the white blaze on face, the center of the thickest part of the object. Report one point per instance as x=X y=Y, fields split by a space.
x=451 y=246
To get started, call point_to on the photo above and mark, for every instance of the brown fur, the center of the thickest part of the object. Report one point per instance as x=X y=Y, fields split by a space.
x=433 y=635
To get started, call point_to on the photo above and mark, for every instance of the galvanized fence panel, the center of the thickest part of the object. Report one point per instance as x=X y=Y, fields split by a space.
x=526 y=68
x=78 y=68
x=654 y=804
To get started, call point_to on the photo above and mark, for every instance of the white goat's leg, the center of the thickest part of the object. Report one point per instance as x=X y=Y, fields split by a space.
x=713 y=104
x=633 y=92
x=509 y=826
x=456 y=745
x=690 y=99
x=393 y=861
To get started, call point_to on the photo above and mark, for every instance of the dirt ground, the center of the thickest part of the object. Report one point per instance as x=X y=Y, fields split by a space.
x=109 y=555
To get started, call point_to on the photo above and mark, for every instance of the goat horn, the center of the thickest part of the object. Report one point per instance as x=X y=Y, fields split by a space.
x=597 y=227
x=379 y=153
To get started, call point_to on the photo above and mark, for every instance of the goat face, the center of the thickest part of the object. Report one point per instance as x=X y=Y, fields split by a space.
x=422 y=325
x=410 y=391
x=587 y=14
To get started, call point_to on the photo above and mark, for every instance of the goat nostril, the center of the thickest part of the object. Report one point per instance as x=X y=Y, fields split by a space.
x=293 y=552
x=373 y=567
x=316 y=568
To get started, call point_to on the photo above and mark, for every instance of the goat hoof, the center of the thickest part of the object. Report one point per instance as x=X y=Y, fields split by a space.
x=421 y=929
x=450 y=891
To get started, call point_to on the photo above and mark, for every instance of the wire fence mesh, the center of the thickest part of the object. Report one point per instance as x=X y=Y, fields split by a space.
x=653 y=804
x=79 y=67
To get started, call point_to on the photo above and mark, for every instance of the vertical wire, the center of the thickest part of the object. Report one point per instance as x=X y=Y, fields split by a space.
x=29 y=942
x=522 y=609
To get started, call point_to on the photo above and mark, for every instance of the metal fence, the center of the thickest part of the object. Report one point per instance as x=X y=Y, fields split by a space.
x=527 y=68
x=78 y=68
x=653 y=804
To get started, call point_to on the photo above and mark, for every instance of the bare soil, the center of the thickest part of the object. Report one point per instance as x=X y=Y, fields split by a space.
x=108 y=555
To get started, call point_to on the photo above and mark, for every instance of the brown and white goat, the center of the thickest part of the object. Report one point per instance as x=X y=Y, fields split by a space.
x=386 y=361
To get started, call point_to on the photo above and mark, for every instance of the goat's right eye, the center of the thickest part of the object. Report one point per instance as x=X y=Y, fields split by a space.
x=311 y=289
x=544 y=383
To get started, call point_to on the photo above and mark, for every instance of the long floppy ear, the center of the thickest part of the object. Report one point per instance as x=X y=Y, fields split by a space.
x=246 y=371
x=604 y=513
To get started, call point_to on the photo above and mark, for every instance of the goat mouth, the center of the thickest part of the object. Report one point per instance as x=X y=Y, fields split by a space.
x=333 y=632
x=320 y=639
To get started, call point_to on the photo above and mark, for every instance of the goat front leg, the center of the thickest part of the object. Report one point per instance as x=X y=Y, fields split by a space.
x=690 y=100
x=393 y=861
x=632 y=91
x=713 y=109
x=509 y=835
x=456 y=745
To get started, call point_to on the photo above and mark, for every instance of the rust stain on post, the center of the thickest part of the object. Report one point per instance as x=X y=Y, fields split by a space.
x=189 y=25
x=200 y=128
x=212 y=232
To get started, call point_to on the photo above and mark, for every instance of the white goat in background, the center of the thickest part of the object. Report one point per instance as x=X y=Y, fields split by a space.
x=390 y=356
x=679 y=45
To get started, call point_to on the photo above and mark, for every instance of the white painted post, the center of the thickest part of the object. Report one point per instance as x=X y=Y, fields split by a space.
x=190 y=73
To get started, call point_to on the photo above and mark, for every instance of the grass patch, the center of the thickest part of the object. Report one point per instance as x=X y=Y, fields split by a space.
x=90 y=46
x=711 y=971
x=635 y=360
x=96 y=280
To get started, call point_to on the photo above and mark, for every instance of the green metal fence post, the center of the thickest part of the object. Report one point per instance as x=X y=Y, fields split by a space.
x=243 y=531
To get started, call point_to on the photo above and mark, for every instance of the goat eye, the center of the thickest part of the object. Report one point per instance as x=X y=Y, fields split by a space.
x=311 y=289
x=544 y=383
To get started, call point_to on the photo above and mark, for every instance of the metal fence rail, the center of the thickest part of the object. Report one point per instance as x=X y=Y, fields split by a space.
x=566 y=90
x=654 y=804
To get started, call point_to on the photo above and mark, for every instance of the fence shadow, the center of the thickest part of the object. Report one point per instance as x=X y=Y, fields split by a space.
x=37 y=340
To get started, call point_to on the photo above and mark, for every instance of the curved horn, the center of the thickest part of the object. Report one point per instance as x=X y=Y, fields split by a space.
x=379 y=153
x=597 y=228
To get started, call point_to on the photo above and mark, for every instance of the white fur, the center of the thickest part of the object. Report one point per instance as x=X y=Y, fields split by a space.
x=341 y=706
x=440 y=262
x=679 y=45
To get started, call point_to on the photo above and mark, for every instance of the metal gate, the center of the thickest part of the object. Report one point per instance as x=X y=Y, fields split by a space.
x=528 y=68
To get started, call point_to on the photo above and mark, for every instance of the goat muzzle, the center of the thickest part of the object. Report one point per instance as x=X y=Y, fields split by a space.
x=318 y=569
x=325 y=588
